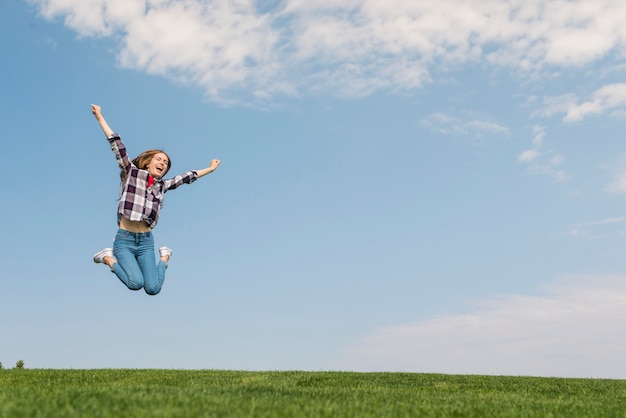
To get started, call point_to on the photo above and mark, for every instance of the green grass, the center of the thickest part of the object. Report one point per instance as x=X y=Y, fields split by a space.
x=213 y=393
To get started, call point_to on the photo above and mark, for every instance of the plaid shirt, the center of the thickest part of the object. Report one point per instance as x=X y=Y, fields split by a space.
x=138 y=201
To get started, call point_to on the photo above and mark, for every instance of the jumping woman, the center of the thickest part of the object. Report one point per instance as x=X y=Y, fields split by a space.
x=132 y=257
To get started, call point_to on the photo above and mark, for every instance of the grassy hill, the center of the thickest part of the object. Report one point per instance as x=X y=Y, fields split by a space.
x=220 y=393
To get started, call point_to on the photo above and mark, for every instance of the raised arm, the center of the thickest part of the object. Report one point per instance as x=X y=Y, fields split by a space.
x=117 y=146
x=209 y=169
x=97 y=112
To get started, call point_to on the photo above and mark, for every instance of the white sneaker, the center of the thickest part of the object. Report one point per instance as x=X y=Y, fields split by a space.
x=99 y=256
x=165 y=252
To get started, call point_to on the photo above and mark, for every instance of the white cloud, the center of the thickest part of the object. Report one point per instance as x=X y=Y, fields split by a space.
x=618 y=185
x=605 y=98
x=528 y=156
x=579 y=233
x=578 y=329
x=609 y=98
x=481 y=126
x=542 y=161
x=609 y=228
x=236 y=49
x=608 y=221
x=558 y=104
x=215 y=45
x=617 y=171
x=447 y=124
x=540 y=136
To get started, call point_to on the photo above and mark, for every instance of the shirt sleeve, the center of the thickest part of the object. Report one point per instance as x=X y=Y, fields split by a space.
x=186 y=178
x=119 y=149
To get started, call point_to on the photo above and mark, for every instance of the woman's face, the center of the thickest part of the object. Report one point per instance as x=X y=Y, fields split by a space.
x=158 y=165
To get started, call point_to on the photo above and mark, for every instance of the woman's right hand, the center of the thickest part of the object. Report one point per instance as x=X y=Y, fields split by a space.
x=97 y=112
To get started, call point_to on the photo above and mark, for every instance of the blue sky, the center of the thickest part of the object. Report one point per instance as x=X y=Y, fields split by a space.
x=425 y=187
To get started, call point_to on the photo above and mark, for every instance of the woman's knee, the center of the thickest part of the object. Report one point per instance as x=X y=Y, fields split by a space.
x=133 y=281
x=135 y=286
x=152 y=290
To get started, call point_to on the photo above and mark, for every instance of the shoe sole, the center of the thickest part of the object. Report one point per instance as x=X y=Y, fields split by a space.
x=99 y=256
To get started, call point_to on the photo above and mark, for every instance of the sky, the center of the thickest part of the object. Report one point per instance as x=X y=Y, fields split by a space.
x=430 y=187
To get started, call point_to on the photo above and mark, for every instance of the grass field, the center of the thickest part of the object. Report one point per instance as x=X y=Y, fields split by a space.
x=214 y=393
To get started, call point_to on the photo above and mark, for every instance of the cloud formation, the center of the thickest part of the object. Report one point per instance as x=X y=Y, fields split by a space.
x=600 y=229
x=261 y=50
x=451 y=125
x=540 y=160
x=609 y=97
x=576 y=330
x=616 y=169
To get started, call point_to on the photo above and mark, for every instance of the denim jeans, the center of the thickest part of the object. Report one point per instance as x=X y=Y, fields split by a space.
x=136 y=266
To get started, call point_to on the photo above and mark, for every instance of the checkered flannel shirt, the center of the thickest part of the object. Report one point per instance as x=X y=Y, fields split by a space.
x=138 y=201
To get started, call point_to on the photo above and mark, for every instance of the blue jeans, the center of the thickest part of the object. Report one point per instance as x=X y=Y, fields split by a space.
x=136 y=266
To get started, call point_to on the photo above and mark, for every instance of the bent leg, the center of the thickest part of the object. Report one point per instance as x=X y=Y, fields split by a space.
x=154 y=283
x=153 y=274
x=127 y=268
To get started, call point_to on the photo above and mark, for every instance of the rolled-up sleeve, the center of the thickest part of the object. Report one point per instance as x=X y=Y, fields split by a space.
x=119 y=149
x=185 y=178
